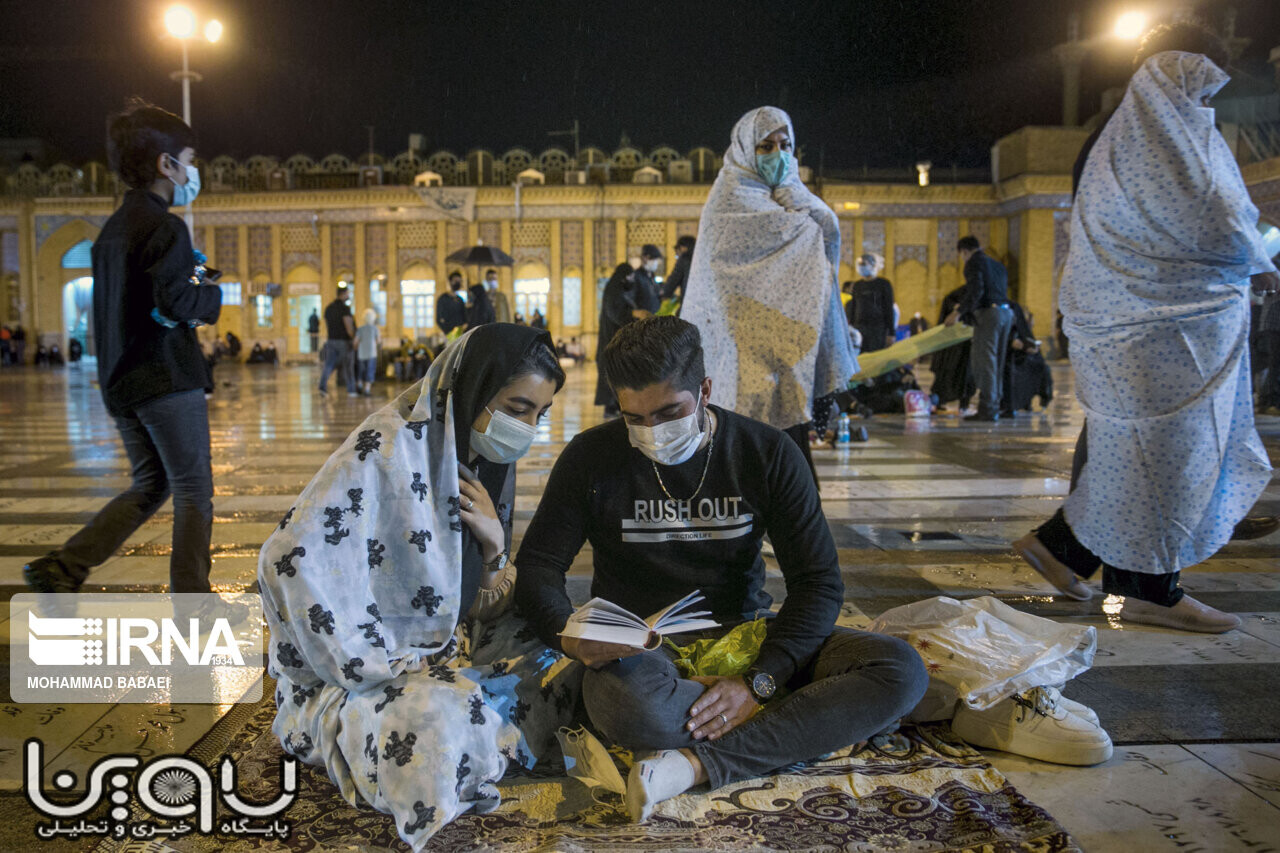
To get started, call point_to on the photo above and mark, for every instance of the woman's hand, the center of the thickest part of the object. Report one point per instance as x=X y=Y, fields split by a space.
x=479 y=514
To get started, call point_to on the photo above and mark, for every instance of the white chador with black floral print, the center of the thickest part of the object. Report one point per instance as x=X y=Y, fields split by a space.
x=1155 y=301
x=408 y=705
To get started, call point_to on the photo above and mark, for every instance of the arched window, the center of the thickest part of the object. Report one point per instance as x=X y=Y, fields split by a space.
x=532 y=287
x=571 y=293
x=78 y=256
x=418 y=300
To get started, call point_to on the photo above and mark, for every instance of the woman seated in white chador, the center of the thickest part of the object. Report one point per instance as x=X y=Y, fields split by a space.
x=399 y=667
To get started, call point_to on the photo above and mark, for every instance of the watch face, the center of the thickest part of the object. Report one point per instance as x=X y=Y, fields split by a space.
x=762 y=684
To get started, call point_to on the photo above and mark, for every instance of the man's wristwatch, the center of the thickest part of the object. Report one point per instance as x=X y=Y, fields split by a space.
x=498 y=563
x=761 y=685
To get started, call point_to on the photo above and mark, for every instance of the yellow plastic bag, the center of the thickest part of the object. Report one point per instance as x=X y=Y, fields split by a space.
x=669 y=307
x=732 y=654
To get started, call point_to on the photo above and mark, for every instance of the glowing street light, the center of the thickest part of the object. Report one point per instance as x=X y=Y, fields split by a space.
x=182 y=25
x=180 y=22
x=1130 y=26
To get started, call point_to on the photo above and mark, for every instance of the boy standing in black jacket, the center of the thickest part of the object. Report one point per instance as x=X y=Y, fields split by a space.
x=150 y=366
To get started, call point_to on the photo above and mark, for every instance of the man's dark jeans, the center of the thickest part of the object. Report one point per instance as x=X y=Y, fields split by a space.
x=856 y=686
x=167 y=440
x=987 y=355
x=338 y=355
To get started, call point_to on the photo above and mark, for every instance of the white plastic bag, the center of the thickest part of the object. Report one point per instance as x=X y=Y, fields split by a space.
x=981 y=650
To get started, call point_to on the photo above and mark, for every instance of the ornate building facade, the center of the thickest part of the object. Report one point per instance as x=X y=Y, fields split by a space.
x=284 y=252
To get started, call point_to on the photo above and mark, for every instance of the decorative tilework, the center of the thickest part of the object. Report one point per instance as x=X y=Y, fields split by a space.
x=417 y=235
x=47 y=225
x=531 y=234
x=846 y=241
x=343 y=251
x=300 y=238
x=226 y=249
x=981 y=228
x=491 y=233
x=640 y=232
x=259 y=250
x=948 y=235
x=911 y=253
x=455 y=237
x=9 y=251
x=571 y=244
x=412 y=255
x=873 y=236
x=375 y=247
x=606 y=240
x=532 y=254
x=687 y=228
x=294 y=259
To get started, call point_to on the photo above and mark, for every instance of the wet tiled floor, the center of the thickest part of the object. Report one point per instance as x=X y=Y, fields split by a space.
x=924 y=508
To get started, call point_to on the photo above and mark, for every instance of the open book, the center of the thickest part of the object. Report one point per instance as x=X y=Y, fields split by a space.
x=605 y=622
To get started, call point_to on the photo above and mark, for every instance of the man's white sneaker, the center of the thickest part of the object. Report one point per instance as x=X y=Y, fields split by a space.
x=1080 y=710
x=1031 y=724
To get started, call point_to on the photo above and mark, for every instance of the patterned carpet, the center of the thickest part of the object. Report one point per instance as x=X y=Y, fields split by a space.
x=918 y=790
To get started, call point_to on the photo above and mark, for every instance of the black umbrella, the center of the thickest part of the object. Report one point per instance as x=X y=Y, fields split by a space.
x=481 y=256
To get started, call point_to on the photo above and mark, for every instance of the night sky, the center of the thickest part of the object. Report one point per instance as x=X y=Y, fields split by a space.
x=880 y=83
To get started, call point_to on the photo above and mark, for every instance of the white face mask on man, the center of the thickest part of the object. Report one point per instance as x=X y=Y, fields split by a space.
x=504 y=440
x=670 y=443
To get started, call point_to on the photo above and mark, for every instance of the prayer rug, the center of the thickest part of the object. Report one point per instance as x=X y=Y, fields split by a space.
x=917 y=790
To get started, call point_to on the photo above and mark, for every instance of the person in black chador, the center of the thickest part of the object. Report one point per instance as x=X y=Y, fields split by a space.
x=480 y=308
x=152 y=374
x=870 y=311
x=1026 y=374
x=628 y=296
x=952 y=379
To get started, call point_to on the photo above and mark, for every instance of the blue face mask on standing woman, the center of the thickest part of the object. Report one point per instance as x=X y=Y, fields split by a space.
x=773 y=167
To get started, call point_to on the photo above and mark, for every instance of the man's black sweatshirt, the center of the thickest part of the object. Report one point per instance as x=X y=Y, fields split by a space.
x=652 y=545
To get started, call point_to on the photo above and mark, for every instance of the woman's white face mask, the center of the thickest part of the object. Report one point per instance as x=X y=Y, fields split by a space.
x=504 y=440
x=670 y=443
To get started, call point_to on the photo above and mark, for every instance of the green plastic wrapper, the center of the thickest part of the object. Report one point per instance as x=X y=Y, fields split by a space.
x=668 y=308
x=732 y=654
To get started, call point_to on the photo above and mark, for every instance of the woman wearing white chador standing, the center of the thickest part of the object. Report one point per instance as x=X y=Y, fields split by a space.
x=1154 y=296
x=763 y=289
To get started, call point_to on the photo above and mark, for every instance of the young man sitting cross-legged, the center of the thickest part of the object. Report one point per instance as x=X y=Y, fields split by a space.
x=676 y=496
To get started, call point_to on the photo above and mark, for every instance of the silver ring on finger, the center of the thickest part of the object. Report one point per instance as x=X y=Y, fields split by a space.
x=723 y=720
x=470 y=503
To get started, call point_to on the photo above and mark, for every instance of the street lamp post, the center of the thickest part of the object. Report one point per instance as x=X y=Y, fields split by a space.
x=1071 y=55
x=181 y=24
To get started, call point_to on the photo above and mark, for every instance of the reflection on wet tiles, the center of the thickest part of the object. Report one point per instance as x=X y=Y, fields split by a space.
x=1126 y=644
x=1147 y=798
x=922 y=509
x=1256 y=766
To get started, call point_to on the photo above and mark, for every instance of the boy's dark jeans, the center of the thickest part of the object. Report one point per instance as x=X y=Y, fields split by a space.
x=167 y=440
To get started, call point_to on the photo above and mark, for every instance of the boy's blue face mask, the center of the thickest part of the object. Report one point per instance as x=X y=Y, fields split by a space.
x=773 y=167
